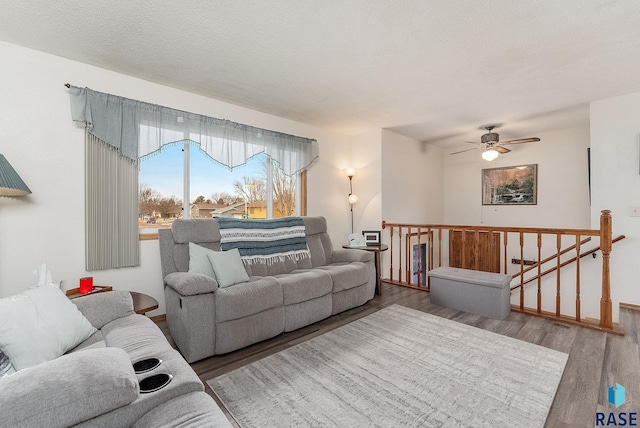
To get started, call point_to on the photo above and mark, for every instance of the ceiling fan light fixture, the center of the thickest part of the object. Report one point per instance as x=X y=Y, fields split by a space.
x=492 y=145
x=490 y=154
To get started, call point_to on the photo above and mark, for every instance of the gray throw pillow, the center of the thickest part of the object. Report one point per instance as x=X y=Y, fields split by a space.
x=228 y=267
x=198 y=261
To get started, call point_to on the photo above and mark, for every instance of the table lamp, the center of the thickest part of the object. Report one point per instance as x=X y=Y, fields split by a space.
x=10 y=182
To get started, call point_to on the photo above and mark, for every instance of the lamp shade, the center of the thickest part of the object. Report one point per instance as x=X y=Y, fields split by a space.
x=350 y=172
x=490 y=154
x=353 y=199
x=10 y=182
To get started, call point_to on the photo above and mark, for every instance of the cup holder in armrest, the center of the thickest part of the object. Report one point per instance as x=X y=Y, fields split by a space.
x=155 y=382
x=146 y=365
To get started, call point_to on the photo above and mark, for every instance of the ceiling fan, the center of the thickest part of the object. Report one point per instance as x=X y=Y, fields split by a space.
x=492 y=145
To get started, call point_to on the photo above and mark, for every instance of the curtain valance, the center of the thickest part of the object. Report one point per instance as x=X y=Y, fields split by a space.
x=138 y=129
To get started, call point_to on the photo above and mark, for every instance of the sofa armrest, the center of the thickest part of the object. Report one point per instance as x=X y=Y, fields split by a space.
x=68 y=390
x=347 y=255
x=189 y=284
x=102 y=308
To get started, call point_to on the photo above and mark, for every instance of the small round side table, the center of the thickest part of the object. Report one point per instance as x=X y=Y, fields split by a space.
x=143 y=303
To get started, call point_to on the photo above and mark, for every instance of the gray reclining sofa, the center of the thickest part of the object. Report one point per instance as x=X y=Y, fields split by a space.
x=206 y=320
x=95 y=384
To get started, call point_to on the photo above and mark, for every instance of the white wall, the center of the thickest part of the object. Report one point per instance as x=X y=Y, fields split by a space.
x=563 y=191
x=39 y=139
x=412 y=188
x=399 y=179
x=365 y=157
x=412 y=180
x=615 y=166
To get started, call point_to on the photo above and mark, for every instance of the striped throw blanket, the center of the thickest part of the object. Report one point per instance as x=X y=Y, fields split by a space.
x=265 y=241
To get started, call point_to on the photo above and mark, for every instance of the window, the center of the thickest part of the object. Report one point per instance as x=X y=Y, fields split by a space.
x=137 y=130
x=182 y=172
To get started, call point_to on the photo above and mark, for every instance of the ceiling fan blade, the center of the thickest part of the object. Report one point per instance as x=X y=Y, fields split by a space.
x=523 y=140
x=501 y=149
x=462 y=151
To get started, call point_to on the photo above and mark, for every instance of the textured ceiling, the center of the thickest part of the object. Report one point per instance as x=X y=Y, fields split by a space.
x=433 y=70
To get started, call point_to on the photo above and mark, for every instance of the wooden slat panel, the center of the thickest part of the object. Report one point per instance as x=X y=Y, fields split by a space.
x=474 y=250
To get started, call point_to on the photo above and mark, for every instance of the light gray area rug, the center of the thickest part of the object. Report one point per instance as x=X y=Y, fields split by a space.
x=397 y=367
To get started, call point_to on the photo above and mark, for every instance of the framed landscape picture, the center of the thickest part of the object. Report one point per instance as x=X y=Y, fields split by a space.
x=510 y=185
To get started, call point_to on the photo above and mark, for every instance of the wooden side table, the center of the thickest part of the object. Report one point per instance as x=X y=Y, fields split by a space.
x=74 y=293
x=142 y=303
x=377 y=249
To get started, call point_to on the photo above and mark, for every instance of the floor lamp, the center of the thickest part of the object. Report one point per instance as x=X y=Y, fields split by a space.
x=352 y=198
x=10 y=182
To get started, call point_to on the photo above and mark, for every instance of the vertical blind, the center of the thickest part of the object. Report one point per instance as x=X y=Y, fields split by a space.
x=111 y=207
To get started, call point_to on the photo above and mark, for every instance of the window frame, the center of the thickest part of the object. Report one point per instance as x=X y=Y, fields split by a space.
x=301 y=190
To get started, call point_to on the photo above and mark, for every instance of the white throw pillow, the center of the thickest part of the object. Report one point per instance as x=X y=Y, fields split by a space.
x=228 y=267
x=39 y=325
x=198 y=261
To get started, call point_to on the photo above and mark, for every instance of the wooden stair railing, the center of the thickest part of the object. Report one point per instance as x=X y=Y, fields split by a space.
x=473 y=243
x=563 y=264
x=548 y=259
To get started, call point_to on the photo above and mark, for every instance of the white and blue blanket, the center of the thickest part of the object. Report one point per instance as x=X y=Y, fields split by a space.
x=265 y=241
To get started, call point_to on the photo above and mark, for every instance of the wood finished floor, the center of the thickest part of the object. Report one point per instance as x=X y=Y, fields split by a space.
x=596 y=360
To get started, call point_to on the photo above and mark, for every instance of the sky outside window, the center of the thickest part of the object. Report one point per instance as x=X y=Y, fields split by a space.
x=163 y=172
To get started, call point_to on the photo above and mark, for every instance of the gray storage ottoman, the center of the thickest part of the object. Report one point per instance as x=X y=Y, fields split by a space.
x=482 y=293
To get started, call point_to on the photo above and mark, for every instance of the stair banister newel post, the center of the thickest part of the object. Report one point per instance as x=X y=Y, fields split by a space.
x=606 y=319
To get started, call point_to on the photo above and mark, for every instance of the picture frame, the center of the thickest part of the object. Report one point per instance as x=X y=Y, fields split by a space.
x=371 y=237
x=510 y=185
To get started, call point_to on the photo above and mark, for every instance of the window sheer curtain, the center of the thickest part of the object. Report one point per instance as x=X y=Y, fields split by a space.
x=121 y=131
x=138 y=129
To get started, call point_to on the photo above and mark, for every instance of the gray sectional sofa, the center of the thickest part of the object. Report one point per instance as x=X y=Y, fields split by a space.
x=95 y=385
x=205 y=319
